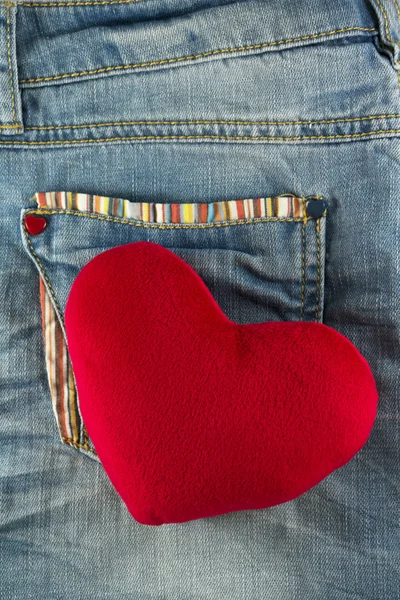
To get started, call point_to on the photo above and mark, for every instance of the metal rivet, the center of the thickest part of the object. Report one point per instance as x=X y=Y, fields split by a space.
x=315 y=208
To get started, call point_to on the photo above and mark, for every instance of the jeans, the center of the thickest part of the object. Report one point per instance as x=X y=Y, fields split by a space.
x=111 y=107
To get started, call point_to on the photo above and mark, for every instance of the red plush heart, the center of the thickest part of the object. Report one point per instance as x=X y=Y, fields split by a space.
x=193 y=415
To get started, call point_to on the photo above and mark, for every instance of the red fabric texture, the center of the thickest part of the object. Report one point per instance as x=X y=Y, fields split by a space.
x=193 y=415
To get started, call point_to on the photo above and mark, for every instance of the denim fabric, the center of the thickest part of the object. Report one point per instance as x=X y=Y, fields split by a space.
x=201 y=101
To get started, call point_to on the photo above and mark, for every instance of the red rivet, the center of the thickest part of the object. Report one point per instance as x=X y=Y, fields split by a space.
x=34 y=224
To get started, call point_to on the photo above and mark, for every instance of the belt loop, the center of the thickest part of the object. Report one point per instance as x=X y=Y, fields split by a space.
x=10 y=99
x=388 y=14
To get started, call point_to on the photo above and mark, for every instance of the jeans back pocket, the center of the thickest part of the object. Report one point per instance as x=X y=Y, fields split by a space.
x=263 y=259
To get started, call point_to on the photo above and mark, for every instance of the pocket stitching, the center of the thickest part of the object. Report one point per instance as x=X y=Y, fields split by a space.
x=137 y=223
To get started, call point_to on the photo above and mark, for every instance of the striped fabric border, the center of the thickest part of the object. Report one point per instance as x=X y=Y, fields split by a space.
x=59 y=368
x=283 y=206
x=59 y=373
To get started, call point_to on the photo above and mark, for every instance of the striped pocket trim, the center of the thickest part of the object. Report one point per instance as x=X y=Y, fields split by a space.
x=60 y=374
x=284 y=206
x=63 y=390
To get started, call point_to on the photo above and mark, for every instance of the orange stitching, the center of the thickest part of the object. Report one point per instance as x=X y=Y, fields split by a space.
x=199 y=137
x=167 y=226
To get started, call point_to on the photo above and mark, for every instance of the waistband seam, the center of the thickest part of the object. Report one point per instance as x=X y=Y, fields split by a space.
x=194 y=57
x=204 y=137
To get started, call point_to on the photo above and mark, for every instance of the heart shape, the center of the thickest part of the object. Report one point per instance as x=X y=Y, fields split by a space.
x=193 y=415
x=35 y=224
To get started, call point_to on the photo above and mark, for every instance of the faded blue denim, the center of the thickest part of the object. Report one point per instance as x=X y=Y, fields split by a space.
x=201 y=101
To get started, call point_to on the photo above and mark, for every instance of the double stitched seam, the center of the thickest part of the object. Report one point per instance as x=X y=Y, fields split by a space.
x=303 y=258
x=70 y=441
x=194 y=56
x=168 y=226
x=207 y=122
x=198 y=137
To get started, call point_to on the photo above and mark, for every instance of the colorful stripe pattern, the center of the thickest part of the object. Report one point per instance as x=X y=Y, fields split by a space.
x=59 y=368
x=59 y=373
x=284 y=206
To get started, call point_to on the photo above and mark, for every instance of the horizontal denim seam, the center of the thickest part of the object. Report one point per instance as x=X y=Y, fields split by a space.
x=77 y=3
x=198 y=137
x=207 y=122
x=192 y=57
x=133 y=223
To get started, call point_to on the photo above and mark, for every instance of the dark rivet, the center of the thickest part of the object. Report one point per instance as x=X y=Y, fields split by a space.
x=315 y=208
x=34 y=224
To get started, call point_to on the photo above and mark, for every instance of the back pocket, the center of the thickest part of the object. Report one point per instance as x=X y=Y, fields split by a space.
x=263 y=259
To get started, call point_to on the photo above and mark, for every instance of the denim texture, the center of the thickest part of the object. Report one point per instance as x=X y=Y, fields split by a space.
x=201 y=101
